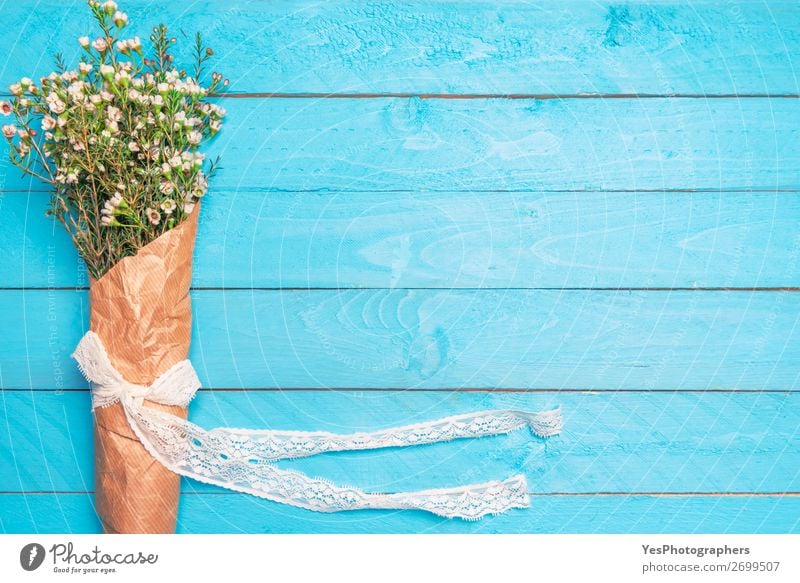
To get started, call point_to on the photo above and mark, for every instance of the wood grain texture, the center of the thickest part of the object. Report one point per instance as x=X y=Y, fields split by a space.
x=575 y=47
x=612 y=442
x=411 y=339
x=453 y=240
x=499 y=144
x=238 y=513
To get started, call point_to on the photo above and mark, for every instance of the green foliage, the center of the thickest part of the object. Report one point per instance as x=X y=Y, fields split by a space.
x=118 y=138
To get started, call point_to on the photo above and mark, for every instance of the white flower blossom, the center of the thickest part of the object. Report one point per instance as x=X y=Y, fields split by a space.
x=168 y=206
x=55 y=104
x=120 y=19
x=5 y=107
x=84 y=41
x=48 y=123
x=166 y=187
x=100 y=44
x=153 y=216
x=114 y=113
x=194 y=137
x=9 y=131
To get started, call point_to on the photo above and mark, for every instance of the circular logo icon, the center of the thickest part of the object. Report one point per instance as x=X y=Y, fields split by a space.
x=31 y=556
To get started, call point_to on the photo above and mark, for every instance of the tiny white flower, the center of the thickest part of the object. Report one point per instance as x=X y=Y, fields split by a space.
x=114 y=113
x=9 y=131
x=55 y=104
x=162 y=87
x=110 y=6
x=168 y=206
x=48 y=123
x=166 y=187
x=153 y=216
x=107 y=71
x=100 y=44
x=5 y=107
x=194 y=138
x=15 y=88
x=122 y=78
x=85 y=68
x=84 y=41
x=133 y=146
x=107 y=96
x=120 y=19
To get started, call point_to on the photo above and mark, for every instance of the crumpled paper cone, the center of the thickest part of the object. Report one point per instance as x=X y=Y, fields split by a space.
x=142 y=312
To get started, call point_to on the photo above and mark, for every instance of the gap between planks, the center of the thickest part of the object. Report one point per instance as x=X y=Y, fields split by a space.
x=533 y=494
x=536 y=96
x=728 y=190
x=442 y=289
x=424 y=390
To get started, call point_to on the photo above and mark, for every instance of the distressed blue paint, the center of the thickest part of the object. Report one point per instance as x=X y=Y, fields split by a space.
x=612 y=442
x=504 y=144
x=238 y=513
x=401 y=338
x=453 y=240
x=337 y=193
x=700 y=47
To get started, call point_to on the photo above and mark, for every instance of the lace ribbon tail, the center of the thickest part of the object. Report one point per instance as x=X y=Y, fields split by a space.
x=277 y=444
x=181 y=447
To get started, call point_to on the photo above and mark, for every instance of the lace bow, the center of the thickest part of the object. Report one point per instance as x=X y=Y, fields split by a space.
x=242 y=460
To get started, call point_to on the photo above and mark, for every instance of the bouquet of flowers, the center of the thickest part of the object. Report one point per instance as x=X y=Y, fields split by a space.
x=119 y=141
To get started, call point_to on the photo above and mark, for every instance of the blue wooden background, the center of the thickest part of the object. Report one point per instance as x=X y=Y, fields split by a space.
x=433 y=207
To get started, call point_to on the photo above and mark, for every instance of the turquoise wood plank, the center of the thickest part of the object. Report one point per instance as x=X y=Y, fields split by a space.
x=453 y=240
x=208 y=513
x=503 y=144
x=612 y=442
x=700 y=47
x=443 y=339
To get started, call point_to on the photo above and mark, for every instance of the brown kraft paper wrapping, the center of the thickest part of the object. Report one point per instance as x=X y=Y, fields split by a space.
x=142 y=312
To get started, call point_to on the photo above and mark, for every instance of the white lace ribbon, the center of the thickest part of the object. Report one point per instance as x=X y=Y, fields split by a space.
x=242 y=460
